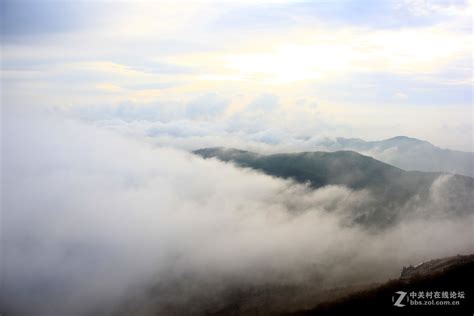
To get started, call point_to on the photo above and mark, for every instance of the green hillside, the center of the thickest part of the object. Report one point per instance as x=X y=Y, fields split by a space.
x=392 y=188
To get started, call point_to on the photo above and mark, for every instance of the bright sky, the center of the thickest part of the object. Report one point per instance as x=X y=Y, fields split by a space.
x=369 y=69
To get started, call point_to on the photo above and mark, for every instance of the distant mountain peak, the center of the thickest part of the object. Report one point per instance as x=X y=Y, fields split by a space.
x=402 y=138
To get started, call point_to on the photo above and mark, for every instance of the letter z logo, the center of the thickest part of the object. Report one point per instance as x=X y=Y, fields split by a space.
x=401 y=296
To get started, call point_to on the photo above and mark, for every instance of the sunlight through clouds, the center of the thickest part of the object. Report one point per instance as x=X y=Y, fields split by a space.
x=158 y=53
x=328 y=53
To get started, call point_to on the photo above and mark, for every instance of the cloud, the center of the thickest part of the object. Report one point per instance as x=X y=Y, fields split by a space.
x=92 y=219
x=427 y=8
x=206 y=106
x=325 y=55
x=168 y=54
x=264 y=102
x=286 y=123
x=306 y=49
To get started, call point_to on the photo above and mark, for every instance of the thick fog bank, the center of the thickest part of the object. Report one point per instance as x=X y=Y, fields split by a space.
x=90 y=219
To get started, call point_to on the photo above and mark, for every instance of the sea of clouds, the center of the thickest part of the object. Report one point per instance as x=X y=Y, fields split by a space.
x=92 y=219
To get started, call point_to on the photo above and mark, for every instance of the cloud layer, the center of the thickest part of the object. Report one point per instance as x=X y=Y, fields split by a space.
x=381 y=65
x=92 y=219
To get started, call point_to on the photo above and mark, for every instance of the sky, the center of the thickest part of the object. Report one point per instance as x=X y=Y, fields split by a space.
x=234 y=72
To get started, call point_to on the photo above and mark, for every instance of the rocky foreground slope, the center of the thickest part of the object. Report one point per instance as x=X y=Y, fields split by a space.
x=436 y=287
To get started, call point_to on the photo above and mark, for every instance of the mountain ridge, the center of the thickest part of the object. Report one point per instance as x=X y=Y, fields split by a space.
x=394 y=190
x=405 y=152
